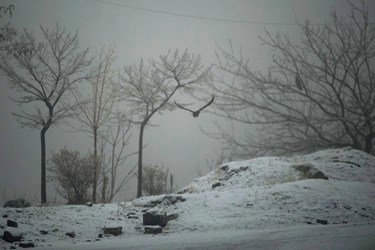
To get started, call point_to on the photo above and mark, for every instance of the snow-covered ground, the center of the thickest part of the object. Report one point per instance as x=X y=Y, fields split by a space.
x=256 y=203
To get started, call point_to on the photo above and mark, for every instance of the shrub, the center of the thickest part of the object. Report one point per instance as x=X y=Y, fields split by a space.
x=17 y=203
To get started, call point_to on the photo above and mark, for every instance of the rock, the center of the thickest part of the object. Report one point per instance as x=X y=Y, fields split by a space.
x=11 y=223
x=172 y=217
x=217 y=184
x=11 y=237
x=308 y=171
x=5 y=216
x=115 y=231
x=224 y=167
x=71 y=234
x=323 y=222
x=28 y=244
x=100 y=236
x=89 y=204
x=44 y=232
x=153 y=229
x=155 y=218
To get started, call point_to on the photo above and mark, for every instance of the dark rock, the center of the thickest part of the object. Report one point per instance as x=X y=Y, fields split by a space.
x=153 y=229
x=9 y=237
x=323 y=222
x=172 y=217
x=89 y=204
x=217 y=184
x=319 y=175
x=5 y=216
x=71 y=234
x=100 y=236
x=224 y=167
x=27 y=244
x=155 y=218
x=308 y=171
x=309 y=222
x=11 y=223
x=44 y=232
x=115 y=231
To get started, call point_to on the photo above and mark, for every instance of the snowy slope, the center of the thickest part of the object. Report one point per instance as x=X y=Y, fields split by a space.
x=259 y=194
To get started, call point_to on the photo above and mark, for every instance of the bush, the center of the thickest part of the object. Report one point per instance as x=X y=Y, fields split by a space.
x=72 y=175
x=18 y=203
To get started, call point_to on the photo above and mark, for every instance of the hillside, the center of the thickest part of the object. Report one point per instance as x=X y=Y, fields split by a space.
x=324 y=188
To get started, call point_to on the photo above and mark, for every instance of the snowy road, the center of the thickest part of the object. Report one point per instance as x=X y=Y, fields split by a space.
x=341 y=237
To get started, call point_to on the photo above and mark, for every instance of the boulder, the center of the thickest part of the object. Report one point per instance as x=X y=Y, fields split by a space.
x=43 y=232
x=217 y=184
x=11 y=223
x=71 y=234
x=89 y=204
x=115 y=231
x=155 y=218
x=11 y=237
x=153 y=229
x=308 y=171
x=323 y=222
x=27 y=244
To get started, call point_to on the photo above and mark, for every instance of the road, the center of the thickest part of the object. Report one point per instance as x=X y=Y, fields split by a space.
x=343 y=237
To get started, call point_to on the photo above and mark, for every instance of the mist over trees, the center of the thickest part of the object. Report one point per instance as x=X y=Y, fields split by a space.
x=147 y=90
x=43 y=73
x=319 y=92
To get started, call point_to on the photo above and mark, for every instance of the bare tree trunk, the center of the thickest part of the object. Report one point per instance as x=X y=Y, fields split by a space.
x=140 y=153
x=43 y=165
x=95 y=177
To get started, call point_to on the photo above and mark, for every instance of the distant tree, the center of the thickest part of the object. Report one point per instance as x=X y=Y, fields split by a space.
x=43 y=74
x=318 y=93
x=95 y=108
x=117 y=139
x=72 y=175
x=7 y=32
x=155 y=180
x=148 y=90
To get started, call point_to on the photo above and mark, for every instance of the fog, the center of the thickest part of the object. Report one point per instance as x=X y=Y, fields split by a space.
x=145 y=29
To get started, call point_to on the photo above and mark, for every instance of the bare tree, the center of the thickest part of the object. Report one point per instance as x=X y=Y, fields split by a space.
x=117 y=138
x=155 y=180
x=318 y=93
x=95 y=109
x=72 y=175
x=148 y=90
x=44 y=73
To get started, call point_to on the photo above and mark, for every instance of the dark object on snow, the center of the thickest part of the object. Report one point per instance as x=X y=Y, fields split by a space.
x=18 y=203
x=11 y=223
x=5 y=216
x=89 y=204
x=217 y=184
x=71 y=234
x=155 y=218
x=27 y=244
x=9 y=237
x=153 y=229
x=100 y=236
x=44 y=232
x=115 y=231
x=323 y=222
x=298 y=82
x=172 y=217
x=310 y=172
x=167 y=200
x=196 y=113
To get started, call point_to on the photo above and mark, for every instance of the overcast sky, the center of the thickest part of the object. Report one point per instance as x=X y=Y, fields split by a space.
x=138 y=32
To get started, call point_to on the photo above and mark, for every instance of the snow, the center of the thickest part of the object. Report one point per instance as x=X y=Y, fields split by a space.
x=256 y=198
